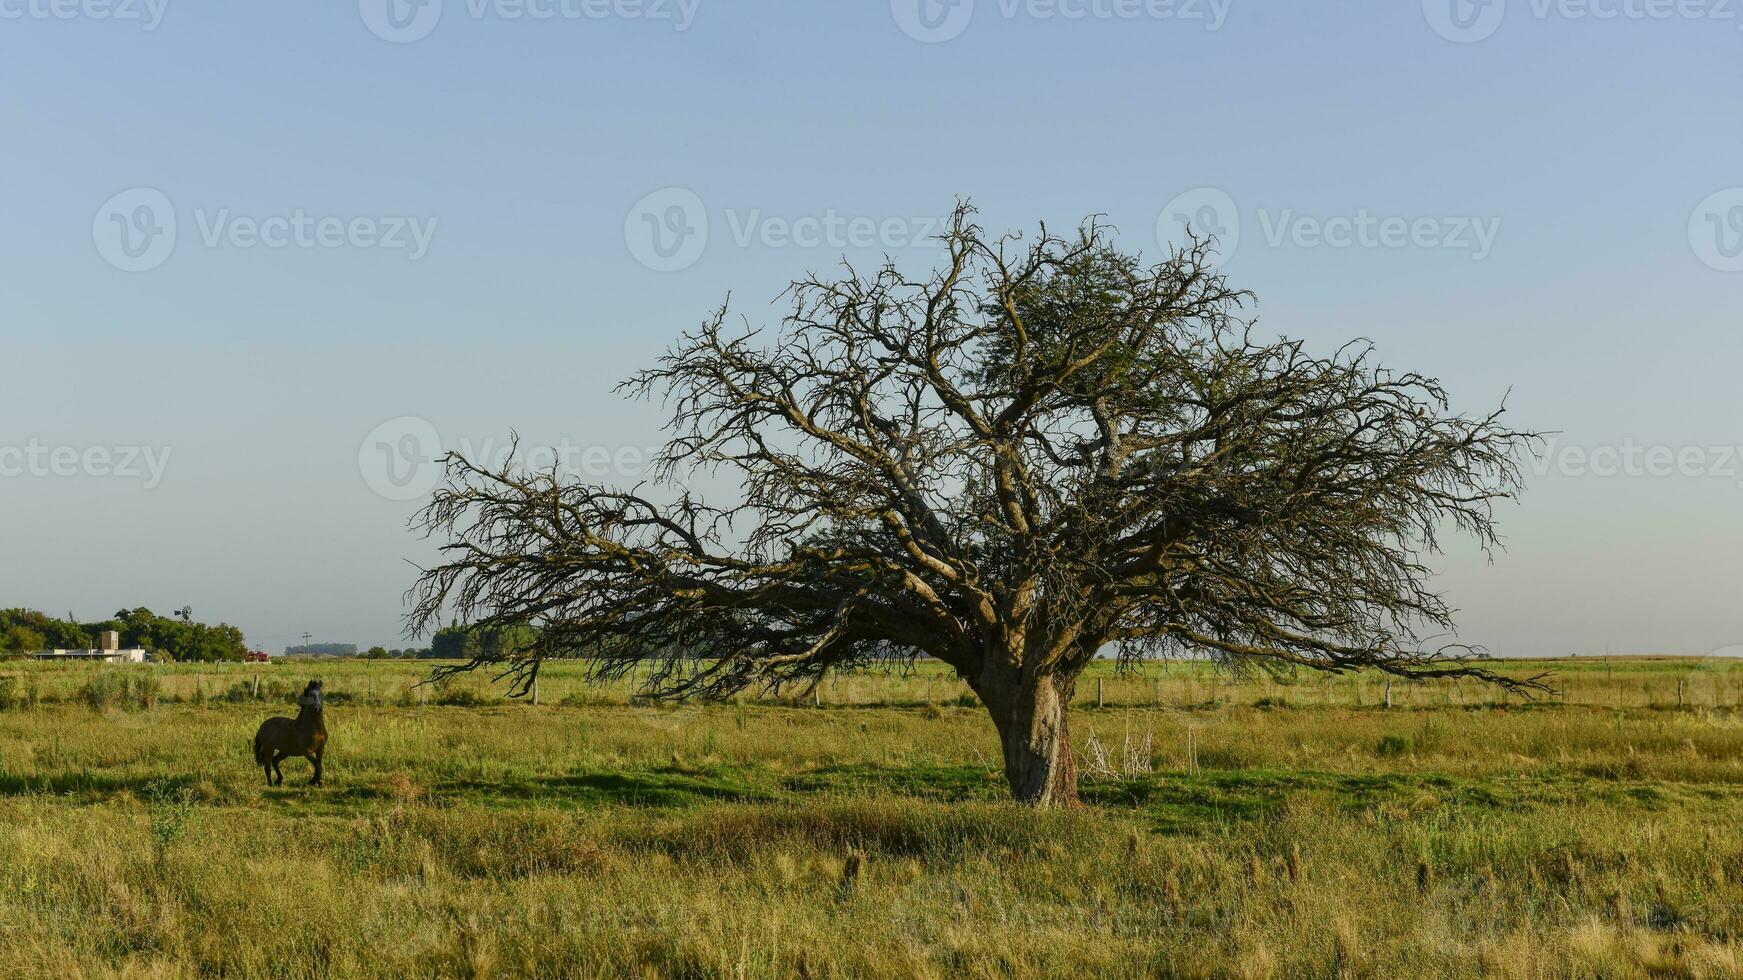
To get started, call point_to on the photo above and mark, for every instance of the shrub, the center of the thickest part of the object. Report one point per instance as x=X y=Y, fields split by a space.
x=127 y=690
x=168 y=808
x=1391 y=745
x=460 y=697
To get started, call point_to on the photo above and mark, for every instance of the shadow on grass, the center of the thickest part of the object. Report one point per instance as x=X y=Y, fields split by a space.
x=1170 y=802
x=668 y=787
x=86 y=784
x=1182 y=804
x=1178 y=803
x=929 y=782
x=1209 y=800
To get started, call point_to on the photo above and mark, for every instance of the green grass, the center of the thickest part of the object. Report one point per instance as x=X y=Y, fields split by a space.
x=1265 y=829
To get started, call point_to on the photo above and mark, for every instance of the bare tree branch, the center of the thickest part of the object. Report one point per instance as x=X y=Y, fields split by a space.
x=1041 y=451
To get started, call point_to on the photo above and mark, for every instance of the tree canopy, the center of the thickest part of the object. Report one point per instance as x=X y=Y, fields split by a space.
x=1038 y=453
x=25 y=631
x=469 y=643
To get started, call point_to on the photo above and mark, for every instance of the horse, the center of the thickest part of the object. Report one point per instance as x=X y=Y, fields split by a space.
x=282 y=738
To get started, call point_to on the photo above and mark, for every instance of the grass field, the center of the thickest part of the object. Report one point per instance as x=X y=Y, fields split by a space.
x=1248 y=827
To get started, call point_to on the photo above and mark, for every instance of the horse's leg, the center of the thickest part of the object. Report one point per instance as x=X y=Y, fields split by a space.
x=315 y=757
x=278 y=757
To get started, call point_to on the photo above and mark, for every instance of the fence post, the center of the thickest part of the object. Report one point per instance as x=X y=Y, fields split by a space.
x=535 y=692
x=257 y=687
x=1679 y=694
x=1388 y=694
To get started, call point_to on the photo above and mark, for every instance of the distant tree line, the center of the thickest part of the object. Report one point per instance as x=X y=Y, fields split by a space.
x=462 y=642
x=350 y=650
x=448 y=643
x=383 y=653
x=466 y=642
x=26 y=631
x=322 y=650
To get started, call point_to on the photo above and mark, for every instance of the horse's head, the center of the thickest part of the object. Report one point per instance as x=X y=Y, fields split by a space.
x=311 y=696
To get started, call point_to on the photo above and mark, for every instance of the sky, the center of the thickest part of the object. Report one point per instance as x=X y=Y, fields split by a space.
x=259 y=262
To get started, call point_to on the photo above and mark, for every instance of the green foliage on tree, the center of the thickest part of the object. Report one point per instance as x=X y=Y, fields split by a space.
x=25 y=631
x=19 y=640
x=466 y=643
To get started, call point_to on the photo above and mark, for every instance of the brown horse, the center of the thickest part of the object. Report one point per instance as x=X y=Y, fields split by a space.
x=281 y=738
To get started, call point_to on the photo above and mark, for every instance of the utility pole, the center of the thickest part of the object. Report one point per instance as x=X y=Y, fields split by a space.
x=305 y=644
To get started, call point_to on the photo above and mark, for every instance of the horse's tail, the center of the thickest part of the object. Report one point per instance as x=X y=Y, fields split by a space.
x=259 y=751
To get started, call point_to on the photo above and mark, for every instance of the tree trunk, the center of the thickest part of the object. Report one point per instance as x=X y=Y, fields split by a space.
x=1033 y=731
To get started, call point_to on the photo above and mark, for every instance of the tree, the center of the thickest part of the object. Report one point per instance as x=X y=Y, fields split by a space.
x=19 y=639
x=454 y=643
x=1037 y=453
x=496 y=641
x=31 y=631
x=178 y=638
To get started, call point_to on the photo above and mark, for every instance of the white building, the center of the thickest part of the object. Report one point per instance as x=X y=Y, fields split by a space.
x=108 y=650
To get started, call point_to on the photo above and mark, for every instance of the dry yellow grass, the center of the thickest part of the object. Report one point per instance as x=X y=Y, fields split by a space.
x=1319 y=835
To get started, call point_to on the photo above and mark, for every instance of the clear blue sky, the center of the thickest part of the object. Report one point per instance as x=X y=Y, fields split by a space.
x=1591 y=149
